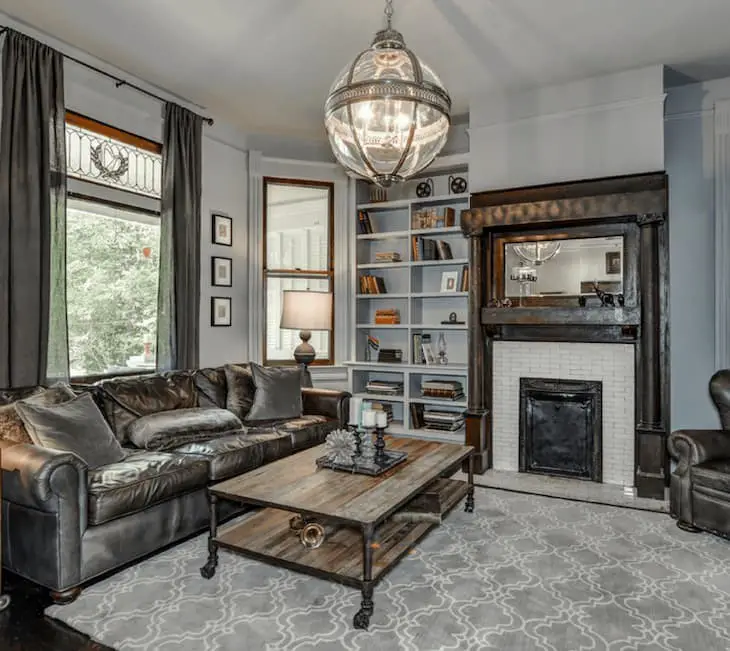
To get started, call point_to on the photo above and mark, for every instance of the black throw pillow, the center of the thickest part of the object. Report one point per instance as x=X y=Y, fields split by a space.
x=278 y=393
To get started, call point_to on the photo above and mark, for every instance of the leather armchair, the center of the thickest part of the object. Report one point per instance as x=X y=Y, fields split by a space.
x=700 y=483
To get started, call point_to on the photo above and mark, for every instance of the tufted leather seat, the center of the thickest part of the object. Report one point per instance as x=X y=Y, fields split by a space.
x=141 y=480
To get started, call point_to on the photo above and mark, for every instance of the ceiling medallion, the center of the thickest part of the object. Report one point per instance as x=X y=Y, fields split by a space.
x=387 y=115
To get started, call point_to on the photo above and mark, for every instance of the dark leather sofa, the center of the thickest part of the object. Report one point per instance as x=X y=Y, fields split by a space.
x=64 y=524
x=700 y=483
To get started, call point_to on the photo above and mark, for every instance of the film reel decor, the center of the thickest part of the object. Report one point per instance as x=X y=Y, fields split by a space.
x=457 y=184
x=424 y=189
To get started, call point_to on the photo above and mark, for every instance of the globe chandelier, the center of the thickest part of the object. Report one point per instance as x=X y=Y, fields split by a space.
x=388 y=114
x=537 y=252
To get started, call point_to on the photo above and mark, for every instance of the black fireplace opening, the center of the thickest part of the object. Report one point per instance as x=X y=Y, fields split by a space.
x=560 y=427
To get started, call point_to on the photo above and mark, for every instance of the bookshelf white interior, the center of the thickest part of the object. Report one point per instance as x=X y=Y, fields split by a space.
x=414 y=289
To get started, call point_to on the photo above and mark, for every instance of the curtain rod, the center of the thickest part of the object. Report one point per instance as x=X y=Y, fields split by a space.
x=118 y=83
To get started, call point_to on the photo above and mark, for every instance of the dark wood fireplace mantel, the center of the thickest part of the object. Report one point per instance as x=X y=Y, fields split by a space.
x=634 y=206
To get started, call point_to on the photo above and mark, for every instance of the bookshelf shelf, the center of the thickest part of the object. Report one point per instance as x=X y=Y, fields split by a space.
x=415 y=284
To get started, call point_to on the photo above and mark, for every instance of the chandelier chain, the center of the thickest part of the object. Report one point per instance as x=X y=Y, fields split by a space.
x=389 y=12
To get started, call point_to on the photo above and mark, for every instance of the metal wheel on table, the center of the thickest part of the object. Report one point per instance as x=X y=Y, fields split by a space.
x=4 y=602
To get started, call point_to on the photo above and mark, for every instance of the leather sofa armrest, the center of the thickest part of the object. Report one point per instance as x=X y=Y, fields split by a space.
x=690 y=447
x=327 y=402
x=33 y=476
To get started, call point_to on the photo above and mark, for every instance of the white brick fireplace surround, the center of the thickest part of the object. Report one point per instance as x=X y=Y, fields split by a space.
x=611 y=364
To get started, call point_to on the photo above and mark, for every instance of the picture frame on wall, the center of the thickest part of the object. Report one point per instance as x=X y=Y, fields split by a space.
x=613 y=262
x=221 y=272
x=450 y=281
x=220 y=311
x=222 y=226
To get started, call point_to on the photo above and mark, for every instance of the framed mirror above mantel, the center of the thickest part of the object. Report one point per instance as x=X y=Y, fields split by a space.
x=579 y=262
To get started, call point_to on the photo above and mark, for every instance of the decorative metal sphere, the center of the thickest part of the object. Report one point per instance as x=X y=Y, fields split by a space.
x=537 y=252
x=387 y=114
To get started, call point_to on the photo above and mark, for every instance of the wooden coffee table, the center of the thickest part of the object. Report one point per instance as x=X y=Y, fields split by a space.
x=366 y=541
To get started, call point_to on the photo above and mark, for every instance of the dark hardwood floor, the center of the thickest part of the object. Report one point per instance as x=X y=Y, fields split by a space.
x=23 y=627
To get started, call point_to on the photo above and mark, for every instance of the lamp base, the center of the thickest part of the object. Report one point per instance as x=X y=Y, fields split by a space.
x=304 y=355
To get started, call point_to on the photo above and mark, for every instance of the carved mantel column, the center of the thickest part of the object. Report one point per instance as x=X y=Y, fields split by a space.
x=478 y=421
x=651 y=422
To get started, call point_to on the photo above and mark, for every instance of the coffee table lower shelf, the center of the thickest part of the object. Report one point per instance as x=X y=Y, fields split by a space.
x=343 y=556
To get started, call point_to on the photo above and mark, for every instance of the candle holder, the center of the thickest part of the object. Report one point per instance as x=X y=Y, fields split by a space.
x=379 y=444
x=355 y=430
x=367 y=452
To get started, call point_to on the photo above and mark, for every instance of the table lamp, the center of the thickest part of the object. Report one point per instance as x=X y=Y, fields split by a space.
x=306 y=311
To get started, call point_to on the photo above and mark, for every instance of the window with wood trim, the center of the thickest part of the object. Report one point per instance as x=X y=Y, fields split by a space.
x=298 y=254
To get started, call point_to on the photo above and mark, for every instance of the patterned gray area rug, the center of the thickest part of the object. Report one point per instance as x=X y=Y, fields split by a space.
x=521 y=573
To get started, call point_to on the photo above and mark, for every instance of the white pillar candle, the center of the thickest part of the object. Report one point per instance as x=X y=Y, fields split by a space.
x=381 y=419
x=368 y=418
x=355 y=404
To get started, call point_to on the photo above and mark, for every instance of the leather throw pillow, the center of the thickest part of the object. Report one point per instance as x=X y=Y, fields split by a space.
x=278 y=393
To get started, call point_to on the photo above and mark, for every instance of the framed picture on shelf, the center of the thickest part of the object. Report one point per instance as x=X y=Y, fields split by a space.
x=428 y=357
x=220 y=311
x=613 y=262
x=449 y=281
x=222 y=229
x=221 y=272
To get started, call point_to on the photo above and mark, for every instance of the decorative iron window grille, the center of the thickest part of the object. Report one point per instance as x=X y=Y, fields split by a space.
x=100 y=158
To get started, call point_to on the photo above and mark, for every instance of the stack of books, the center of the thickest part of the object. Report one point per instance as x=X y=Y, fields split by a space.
x=364 y=225
x=387 y=256
x=390 y=355
x=442 y=389
x=372 y=285
x=387 y=316
x=443 y=421
x=425 y=249
x=384 y=388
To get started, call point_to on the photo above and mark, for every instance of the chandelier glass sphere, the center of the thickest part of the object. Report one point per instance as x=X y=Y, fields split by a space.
x=537 y=252
x=387 y=115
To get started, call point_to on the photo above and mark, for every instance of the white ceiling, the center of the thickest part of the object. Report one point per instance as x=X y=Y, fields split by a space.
x=266 y=65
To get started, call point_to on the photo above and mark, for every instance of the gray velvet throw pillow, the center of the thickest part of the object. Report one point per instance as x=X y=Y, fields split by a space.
x=75 y=426
x=278 y=393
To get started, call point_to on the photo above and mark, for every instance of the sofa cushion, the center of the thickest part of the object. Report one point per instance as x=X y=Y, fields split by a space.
x=126 y=399
x=240 y=389
x=229 y=456
x=210 y=383
x=278 y=393
x=712 y=474
x=141 y=480
x=170 y=429
x=307 y=431
x=12 y=427
x=74 y=426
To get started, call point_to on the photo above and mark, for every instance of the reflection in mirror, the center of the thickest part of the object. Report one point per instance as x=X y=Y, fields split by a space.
x=535 y=271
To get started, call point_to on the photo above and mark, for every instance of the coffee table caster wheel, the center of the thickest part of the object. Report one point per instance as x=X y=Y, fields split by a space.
x=207 y=571
x=362 y=619
x=4 y=602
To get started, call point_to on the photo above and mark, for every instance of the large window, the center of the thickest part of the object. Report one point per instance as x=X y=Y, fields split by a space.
x=112 y=248
x=298 y=226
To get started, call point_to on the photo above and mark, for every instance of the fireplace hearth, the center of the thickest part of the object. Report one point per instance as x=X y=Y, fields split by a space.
x=560 y=428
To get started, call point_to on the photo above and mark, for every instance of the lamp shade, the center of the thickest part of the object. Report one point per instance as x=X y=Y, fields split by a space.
x=305 y=310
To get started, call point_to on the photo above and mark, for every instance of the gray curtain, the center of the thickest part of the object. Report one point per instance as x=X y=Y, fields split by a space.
x=33 y=328
x=178 y=301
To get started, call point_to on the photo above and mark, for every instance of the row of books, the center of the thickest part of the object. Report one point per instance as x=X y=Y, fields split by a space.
x=442 y=389
x=421 y=349
x=372 y=285
x=387 y=256
x=364 y=225
x=384 y=388
x=387 y=316
x=390 y=355
x=423 y=248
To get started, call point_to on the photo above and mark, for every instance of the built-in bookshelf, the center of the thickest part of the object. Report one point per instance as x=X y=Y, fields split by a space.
x=411 y=275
